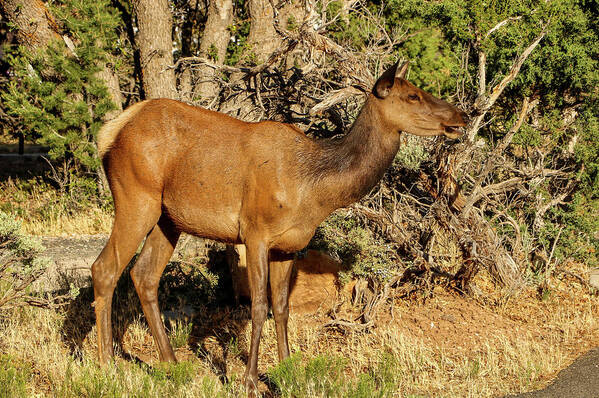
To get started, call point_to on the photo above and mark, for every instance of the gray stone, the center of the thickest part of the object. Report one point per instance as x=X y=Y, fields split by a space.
x=594 y=278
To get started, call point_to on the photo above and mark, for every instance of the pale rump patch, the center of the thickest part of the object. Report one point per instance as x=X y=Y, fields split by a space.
x=111 y=129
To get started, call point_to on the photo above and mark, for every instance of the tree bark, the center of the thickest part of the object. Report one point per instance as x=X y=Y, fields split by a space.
x=155 y=43
x=263 y=37
x=36 y=27
x=215 y=40
x=114 y=90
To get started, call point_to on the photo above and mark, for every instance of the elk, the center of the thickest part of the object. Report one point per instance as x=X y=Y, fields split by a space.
x=175 y=168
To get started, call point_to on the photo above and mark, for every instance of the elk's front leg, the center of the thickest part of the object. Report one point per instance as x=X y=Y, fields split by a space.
x=280 y=266
x=257 y=265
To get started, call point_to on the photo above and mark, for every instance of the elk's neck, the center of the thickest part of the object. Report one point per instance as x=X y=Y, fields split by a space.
x=350 y=166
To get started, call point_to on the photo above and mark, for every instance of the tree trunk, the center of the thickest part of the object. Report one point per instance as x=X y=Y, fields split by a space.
x=263 y=38
x=114 y=90
x=155 y=43
x=35 y=25
x=215 y=40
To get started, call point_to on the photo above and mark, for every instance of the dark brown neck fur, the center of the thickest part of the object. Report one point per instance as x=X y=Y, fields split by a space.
x=347 y=168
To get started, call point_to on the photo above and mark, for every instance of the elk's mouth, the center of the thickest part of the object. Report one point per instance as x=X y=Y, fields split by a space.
x=453 y=131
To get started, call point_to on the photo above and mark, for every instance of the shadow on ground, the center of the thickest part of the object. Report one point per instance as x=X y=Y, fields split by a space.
x=201 y=293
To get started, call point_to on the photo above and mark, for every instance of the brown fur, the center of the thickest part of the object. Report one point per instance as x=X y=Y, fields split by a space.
x=176 y=168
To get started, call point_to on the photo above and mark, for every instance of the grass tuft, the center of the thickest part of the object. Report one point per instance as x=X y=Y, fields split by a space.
x=180 y=333
x=14 y=376
x=319 y=377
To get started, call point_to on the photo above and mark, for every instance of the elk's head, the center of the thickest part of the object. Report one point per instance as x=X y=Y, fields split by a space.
x=407 y=108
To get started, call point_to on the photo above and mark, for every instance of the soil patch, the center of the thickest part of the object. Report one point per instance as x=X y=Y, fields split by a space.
x=454 y=322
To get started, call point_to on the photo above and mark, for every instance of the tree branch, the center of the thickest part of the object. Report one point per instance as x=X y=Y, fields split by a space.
x=485 y=102
x=491 y=162
x=500 y=24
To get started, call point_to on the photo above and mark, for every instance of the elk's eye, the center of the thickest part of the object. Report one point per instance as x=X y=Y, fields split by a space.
x=413 y=97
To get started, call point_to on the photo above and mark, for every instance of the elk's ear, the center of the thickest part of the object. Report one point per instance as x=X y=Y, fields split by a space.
x=402 y=70
x=382 y=87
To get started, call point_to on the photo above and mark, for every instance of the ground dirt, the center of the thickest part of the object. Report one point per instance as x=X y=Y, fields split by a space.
x=458 y=325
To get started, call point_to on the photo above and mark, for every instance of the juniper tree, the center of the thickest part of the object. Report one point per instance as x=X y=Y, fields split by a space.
x=56 y=92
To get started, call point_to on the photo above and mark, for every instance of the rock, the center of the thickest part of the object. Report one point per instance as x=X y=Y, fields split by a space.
x=314 y=282
x=594 y=278
x=72 y=259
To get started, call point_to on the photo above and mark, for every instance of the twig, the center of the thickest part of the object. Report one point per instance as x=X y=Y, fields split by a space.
x=500 y=24
x=552 y=251
x=484 y=102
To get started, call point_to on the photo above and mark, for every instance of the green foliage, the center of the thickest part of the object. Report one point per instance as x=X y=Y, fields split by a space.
x=14 y=376
x=362 y=252
x=292 y=23
x=324 y=376
x=20 y=263
x=56 y=94
x=411 y=155
x=238 y=46
x=213 y=53
x=579 y=224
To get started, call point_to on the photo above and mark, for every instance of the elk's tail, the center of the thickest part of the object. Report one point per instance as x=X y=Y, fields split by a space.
x=110 y=130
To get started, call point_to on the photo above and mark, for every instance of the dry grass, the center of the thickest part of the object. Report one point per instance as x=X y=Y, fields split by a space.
x=44 y=211
x=445 y=345
x=392 y=360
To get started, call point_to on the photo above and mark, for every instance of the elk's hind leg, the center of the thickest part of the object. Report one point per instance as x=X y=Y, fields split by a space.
x=154 y=256
x=133 y=220
x=281 y=265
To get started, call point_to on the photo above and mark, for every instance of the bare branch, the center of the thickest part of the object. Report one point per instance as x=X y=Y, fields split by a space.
x=485 y=102
x=559 y=199
x=232 y=69
x=500 y=24
x=491 y=162
x=334 y=98
x=482 y=73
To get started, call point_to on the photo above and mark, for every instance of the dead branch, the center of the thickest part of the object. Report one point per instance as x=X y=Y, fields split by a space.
x=500 y=24
x=484 y=102
x=491 y=162
x=334 y=98
x=559 y=199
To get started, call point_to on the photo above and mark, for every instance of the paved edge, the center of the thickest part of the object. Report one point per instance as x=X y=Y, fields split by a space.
x=579 y=380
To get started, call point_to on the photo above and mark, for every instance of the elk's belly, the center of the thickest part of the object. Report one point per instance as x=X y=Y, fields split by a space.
x=210 y=212
x=293 y=239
